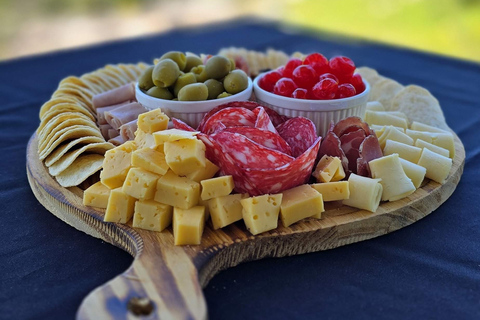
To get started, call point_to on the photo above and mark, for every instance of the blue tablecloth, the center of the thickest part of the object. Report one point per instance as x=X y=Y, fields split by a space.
x=430 y=269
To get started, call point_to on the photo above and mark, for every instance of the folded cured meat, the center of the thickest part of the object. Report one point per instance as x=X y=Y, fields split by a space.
x=118 y=140
x=127 y=131
x=104 y=130
x=124 y=114
x=115 y=96
x=354 y=143
x=101 y=111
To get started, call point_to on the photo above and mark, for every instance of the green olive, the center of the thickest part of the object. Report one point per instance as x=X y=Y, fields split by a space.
x=182 y=81
x=232 y=64
x=236 y=81
x=223 y=95
x=215 y=87
x=145 y=81
x=193 y=92
x=165 y=73
x=178 y=57
x=161 y=93
x=200 y=73
x=192 y=61
x=217 y=67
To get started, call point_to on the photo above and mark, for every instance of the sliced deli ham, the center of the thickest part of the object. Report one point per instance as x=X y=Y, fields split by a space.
x=124 y=114
x=115 y=96
x=101 y=111
x=127 y=130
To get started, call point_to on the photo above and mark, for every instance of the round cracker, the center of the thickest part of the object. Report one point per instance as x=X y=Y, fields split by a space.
x=63 y=120
x=383 y=91
x=83 y=83
x=113 y=81
x=74 y=93
x=420 y=105
x=69 y=133
x=93 y=77
x=68 y=158
x=124 y=73
x=54 y=115
x=370 y=75
x=82 y=168
x=53 y=102
x=62 y=108
x=66 y=146
x=114 y=76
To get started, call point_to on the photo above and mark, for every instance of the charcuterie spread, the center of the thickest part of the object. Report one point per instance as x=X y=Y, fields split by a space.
x=245 y=161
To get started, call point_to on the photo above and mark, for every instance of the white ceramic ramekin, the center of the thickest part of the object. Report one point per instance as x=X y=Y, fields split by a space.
x=190 y=112
x=321 y=112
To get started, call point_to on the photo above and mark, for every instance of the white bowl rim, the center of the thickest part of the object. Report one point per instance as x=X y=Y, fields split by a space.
x=192 y=106
x=307 y=104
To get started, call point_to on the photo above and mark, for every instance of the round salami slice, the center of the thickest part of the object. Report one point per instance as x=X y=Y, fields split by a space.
x=229 y=117
x=295 y=173
x=250 y=105
x=179 y=124
x=350 y=144
x=300 y=134
x=263 y=120
x=249 y=154
x=227 y=165
x=350 y=124
x=263 y=137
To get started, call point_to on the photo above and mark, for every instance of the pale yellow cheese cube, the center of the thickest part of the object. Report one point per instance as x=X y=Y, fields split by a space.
x=128 y=146
x=140 y=183
x=120 y=207
x=339 y=174
x=188 y=225
x=204 y=173
x=150 y=160
x=185 y=156
x=144 y=139
x=326 y=168
x=152 y=121
x=260 y=213
x=173 y=135
x=116 y=164
x=333 y=191
x=96 y=196
x=177 y=191
x=299 y=203
x=226 y=210
x=152 y=215
x=216 y=187
x=207 y=208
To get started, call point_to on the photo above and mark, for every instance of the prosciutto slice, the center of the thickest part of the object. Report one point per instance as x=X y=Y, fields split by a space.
x=124 y=114
x=368 y=151
x=331 y=146
x=350 y=144
x=115 y=96
x=350 y=124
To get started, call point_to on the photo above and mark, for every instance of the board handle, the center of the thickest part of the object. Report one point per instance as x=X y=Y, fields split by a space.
x=162 y=283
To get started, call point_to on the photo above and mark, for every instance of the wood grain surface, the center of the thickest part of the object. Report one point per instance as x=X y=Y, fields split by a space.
x=165 y=281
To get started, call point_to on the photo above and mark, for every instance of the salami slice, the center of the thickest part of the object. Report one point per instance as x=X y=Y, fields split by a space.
x=263 y=137
x=227 y=165
x=179 y=124
x=229 y=117
x=300 y=134
x=249 y=154
x=250 y=105
x=350 y=124
x=331 y=146
x=274 y=180
x=263 y=120
x=350 y=144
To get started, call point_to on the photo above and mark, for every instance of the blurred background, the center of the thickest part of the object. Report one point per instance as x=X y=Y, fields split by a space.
x=447 y=27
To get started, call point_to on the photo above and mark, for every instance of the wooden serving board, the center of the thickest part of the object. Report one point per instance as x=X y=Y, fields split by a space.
x=165 y=281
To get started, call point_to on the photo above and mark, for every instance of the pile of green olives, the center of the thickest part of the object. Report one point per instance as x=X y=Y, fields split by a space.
x=185 y=77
